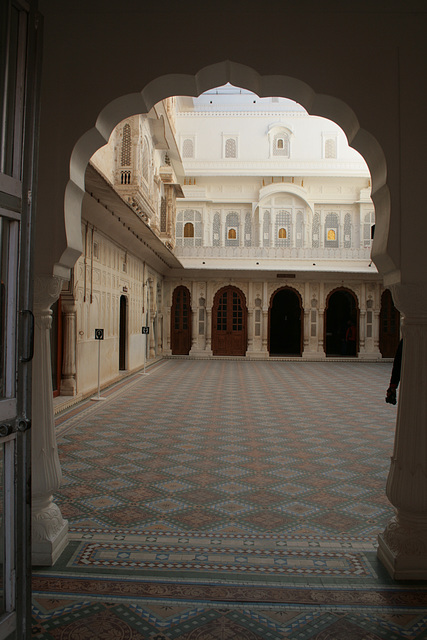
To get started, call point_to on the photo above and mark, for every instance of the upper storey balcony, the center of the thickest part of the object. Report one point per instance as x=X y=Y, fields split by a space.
x=356 y=260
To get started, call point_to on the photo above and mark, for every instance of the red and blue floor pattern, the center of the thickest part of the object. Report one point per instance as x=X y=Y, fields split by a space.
x=228 y=500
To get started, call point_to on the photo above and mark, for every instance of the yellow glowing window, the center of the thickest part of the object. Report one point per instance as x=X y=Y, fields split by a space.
x=331 y=234
x=282 y=233
x=232 y=235
x=188 y=230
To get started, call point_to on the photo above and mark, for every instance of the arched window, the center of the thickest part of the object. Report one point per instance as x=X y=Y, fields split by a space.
x=188 y=148
x=231 y=228
x=188 y=230
x=347 y=231
x=330 y=148
x=126 y=146
x=281 y=145
x=299 y=235
x=230 y=148
x=283 y=228
x=368 y=222
x=316 y=230
x=331 y=230
x=266 y=229
x=248 y=230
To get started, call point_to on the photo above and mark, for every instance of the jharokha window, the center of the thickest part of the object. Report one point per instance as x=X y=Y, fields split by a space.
x=232 y=234
x=282 y=233
x=188 y=230
x=331 y=234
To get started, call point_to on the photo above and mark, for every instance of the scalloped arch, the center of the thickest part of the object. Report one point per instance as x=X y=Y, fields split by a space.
x=193 y=85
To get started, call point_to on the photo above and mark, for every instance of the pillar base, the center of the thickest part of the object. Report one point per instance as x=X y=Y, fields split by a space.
x=68 y=387
x=403 y=551
x=49 y=536
x=313 y=355
x=257 y=355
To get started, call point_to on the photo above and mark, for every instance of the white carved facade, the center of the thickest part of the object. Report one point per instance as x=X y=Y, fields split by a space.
x=269 y=199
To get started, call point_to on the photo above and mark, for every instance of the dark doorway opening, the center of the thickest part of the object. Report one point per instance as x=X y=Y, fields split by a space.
x=122 y=333
x=181 y=322
x=341 y=324
x=285 y=333
x=229 y=323
x=389 y=326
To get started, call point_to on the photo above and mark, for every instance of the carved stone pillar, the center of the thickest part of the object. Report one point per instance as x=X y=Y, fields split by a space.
x=194 y=329
x=321 y=332
x=160 y=333
x=362 y=332
x=68 y=379
x=264 y=330
x=306 y=330
x=250 y=330
x=168 y=332
x=403 y=544
x=152 y=341
x=49 y=529
x=209 y=330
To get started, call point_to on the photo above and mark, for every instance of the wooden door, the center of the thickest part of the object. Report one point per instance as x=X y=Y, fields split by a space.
x=229 y=323
x=181 y=322
x=389 y=326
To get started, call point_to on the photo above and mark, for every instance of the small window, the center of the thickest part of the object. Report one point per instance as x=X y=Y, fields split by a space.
x=331 y=235
x=330 y=148
x=188 y=230
x=230 y=148
x=282 y=233
x=281 y=145
x=188 y=148
x=232 y=234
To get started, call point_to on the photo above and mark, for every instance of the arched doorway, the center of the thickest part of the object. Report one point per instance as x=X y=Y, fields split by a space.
x=181 y=322
x=341 y=323
x=389 y=326
x=285 y=328
x=229 y=323
x=122 y=333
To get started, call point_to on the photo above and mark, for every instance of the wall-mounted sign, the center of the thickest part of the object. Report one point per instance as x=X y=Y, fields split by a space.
x=145 y=330
x=99 y=334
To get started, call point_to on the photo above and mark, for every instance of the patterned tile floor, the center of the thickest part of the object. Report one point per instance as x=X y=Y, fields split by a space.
x=228 y=500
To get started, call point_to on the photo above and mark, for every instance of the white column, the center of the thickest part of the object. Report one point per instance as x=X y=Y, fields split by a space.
x=208 y=330
x=68 y=378
x=403 y=544
x=250 y=329
x=194 y=328
x=160 y=334
x=321 y=322
x=152 y=342
x=49 y=529
x=168 y=332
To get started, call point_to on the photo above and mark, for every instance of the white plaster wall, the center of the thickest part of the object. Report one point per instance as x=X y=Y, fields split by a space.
x=98 y=306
